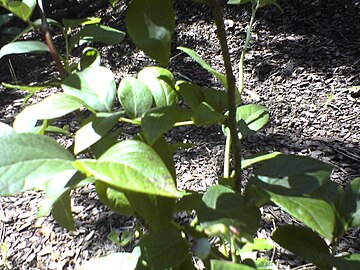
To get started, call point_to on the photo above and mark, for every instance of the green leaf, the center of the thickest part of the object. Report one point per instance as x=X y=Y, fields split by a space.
x=29 y=160
x=259 y=244
x=158 y=121
x=292 y=175
x=96 y=33
x=135 y=97
x=134 y=166
x=125 y=239
x=224 y=265
x=216 y=99
x=348 y=204
x=62 y=212
x=95 y=86
x=115 y=199
x=221 y=77
x=250 y=118
x=316 y=214
x=114 y=261
x=161 y=83
x=90 y=57
x=5 y=18
x=163 y=249
x=156 y=211
x=94 y=129
x=150 y=25
x=223 y=206
x=257 y=158
x=305 y=243
x=19 y=47
x=22 y=9
x=349 y=262
x=238 y=2
x=5 y=129
x=53 y=106
x=206 y=115
x=264 y=264
x=71 y=24
x=192 y=94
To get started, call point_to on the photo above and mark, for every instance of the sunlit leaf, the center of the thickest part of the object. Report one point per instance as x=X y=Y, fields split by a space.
x=19 y=47
x=133 y=166
x=29 y=160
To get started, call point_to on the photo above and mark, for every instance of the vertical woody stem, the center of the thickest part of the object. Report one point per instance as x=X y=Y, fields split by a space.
x=231 y=88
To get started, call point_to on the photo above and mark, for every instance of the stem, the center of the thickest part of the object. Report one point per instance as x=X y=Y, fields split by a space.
x=231 y=88
x=49 y=41
x=184 y=123
x=130 y=121
x=246 y=44
x=227 y=157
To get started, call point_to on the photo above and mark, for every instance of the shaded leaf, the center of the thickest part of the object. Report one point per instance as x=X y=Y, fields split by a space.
x=159 y=120
x=89 y=57
x=163 y=249
x=192 y=94
x=206 y=115
x=62 y=212
x=224 y=265
x=5 y=129
x=71 y=24
x=150 y=25
x=305 y=243
x=292 y=175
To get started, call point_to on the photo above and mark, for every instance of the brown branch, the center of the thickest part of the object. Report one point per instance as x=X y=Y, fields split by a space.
x=49 y=41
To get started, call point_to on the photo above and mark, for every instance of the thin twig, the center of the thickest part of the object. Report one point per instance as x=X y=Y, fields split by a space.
x=49 y=41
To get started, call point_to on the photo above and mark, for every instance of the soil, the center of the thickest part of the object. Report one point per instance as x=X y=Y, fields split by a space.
x=299 y=65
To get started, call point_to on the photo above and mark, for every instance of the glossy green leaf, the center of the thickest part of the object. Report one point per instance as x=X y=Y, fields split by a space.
x=22 y=9
x=97 y=33
x=32 y=88
x=5 y=129
x=264 y=264
x=158 y=121
x=90 y=57
x=53 y=106
x=106 y=141
x=95 y=86
x=258 y=158
x=238 y=2
x=29 y=160
x=19 y=47
x=192 y=94
x=134 y=166
x=150 y=25
x=115 y=199
x=206 y=115
x=95 y=127
x=125 y=239
x=316 y=214
x=305 y=243
x=114 y=261
x=250 y=118
x=161 y=83
x=221 y=77
x=135 y=97
x=163 y=249
x=292 y=175
x=71 y=24
x=349 y=204
x=62 y=212
x=224 y=265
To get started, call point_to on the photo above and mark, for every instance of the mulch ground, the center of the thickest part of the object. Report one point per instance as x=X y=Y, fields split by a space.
x=299 y=65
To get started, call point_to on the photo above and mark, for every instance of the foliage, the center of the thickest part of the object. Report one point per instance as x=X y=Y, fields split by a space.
x=137 y=176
